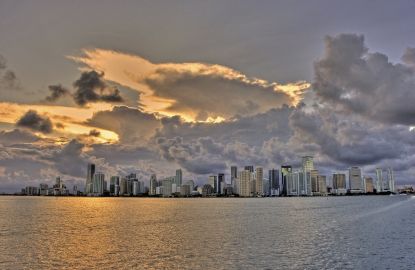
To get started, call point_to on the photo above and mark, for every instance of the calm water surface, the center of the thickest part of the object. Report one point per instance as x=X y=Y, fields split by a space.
x=372 y=232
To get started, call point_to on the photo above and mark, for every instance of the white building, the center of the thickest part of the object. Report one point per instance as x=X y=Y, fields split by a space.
x=355 y=180
x=245 y=178
x=99 y=184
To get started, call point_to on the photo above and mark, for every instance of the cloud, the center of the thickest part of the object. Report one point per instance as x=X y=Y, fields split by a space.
x=8 y=78
x=57 y=91
x=16 y=136
x=409 y=56
x=94 y=133
x=32 y=120
x=195 y=91
x=351 y=78
x=90 y=87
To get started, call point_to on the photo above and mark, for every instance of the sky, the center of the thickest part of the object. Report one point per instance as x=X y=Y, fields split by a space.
x=152 y=86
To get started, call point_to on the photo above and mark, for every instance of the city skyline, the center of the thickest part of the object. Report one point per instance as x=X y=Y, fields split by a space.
x=149 y=94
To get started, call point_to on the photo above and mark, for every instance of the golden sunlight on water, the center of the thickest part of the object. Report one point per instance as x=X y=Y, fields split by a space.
x=145 y=233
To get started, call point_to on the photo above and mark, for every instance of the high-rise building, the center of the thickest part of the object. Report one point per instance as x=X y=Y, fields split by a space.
x=234 y=173
x=308 y=164
x=178 y=178
x=167 y=186
x=259 y=178
x=314 y=181
x=89 y=178
x=213 y=181
x=292 y=180
x=114 y=181
x=391 y=180
x=355 y=180
x=191 y=184
x=245 y=183
x=379 y=180
x=369 y=188
x=153 y=185
x=339 y=183
x=322 y=184
x=285 y=170
x=99 y=183
x=274 y=182
x=221 y=183
x=123 y=186
x=249 y=168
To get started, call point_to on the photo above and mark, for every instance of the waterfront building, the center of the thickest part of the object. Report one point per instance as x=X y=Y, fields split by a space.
x=234 y=173
x=259 y=178
x=221 y=183
x=391 y=180
x=153 y=185
x=379 y=180
x=185 y=190
x=245 y=178
x=314 y=182
x=43 y=189
x=207 y=190
x=89 y=178
x=191 y=184
x=285 y=170
x=99 y=185
x=355 y=180
x=213 y=182
x=114 y=181
x=292 y=180
x=369 y=187
x=178 y=178
x=339 y=183
x=322 y=184
x=236 y=185
x=123 y=186
x=167 y=186
x=274 y=182
x=308 y=163
x=31 y=191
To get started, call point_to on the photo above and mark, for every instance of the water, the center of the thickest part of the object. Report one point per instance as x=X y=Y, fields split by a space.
x=372 y=232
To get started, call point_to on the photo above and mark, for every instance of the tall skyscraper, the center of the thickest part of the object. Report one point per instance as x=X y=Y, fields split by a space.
x=245 y=183
x=221 y=182
x=167 y=186
x=123 y=186
x=391 y=180
x=285 y=170
x=259 y=177
x=308 y=163
x=322 y=184
x=274 y=182
x=292 y=180
x=379 y=180
x=99 y=183
x=249 y=168
x=355 y=180
x=153 y=185
x=213 y=181
x=89 y=178
x=178 y=179
x=314 y=181
x=234 y=173
x=369 y=184
x=114 y=181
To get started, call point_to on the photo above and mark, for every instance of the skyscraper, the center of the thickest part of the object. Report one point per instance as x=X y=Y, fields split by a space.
x=391 y=180
x=114 y=181
x=274 y=182
x=89 y=178
x=99 y=184
x=234 y=173
x=308 y=164
x=259 y=177
x=369 y=184
x=178 y=179
x=285 y=170
x=314 y=181
x=153 y=185
x=213 y=181
x=245 y=183
x=322 y=184
x=339 y=183
x=221 y=182
x=379 y=180
x=355 y=180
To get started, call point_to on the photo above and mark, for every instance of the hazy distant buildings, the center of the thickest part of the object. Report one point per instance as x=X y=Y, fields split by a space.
x=221 y=183
x=322 y=184
x=274 y=183
x=391 y=180
x=369 y=187
x=249 y=168
x=153 y=185
x=285 y=170
x=99 y=184
x=213 y=182
x=178 y=178
x=379 y=180
x=234 y=173
x=114 y=185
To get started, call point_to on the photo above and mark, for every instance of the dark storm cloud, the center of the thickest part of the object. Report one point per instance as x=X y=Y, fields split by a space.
x=94 y=133
x=57 y=91
x=351 y=78
x=91 y=87
x=32 y=120
x=8 y=78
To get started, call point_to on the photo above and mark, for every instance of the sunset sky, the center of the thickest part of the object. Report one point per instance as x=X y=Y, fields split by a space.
x=152 y=86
